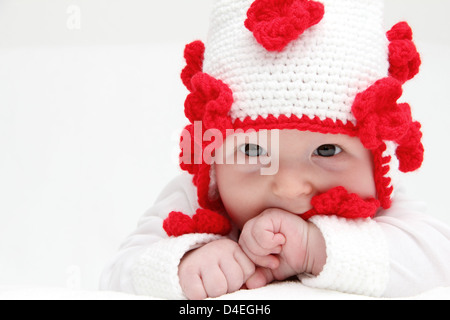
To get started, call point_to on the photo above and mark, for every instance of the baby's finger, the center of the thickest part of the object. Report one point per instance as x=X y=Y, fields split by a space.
x=233 y=274
x=260 y=278
x=268 y=240
x=257 y=255
x=247 y=266
x=192 y=287
x=215 y=282
x=251 y=243
x=251 y=248
x=269 y=261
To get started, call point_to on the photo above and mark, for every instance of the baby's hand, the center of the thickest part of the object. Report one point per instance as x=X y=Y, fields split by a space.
x=215 y=269
x=284 y=245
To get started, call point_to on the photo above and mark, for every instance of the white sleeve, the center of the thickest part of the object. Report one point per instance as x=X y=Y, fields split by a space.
x=357 y=257
x=419 y=248
x=147 y=262
x=402 y=252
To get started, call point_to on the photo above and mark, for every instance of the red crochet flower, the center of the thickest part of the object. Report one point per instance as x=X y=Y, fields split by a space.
x=341 y=203
x=378 y=115
x=210 y=101
x=275 y=23
x=204 y=221
x=380 y=118
x=403 y=56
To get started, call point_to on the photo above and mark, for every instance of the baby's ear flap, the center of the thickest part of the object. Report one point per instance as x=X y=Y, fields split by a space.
x=194 y=54
x=404 y=58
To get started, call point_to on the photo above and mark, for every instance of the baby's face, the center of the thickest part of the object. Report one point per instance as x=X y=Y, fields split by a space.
x=308 y=164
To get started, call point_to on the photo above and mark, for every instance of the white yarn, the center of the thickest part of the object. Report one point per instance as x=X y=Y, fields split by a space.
x=318 y=74
x=357 y=257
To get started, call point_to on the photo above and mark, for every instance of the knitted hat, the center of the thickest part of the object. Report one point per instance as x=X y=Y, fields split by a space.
x=324 y=66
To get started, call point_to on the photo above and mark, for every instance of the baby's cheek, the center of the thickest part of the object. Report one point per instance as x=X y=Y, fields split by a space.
x=240 y=215
x=361 y=183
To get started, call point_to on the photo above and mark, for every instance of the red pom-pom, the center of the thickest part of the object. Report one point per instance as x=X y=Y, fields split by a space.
x=204 y=221
x=194 y=56
x=403 y=56
x=340 y=202
x=275 y=23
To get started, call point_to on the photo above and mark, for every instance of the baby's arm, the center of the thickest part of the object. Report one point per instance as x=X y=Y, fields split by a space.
x=147 y=263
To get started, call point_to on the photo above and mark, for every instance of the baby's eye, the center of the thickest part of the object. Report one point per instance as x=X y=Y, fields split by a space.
x=252 y=150
x=327 y=150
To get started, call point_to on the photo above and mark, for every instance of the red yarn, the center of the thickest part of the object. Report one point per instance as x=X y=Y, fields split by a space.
x=189 y=162
x=204 y=221
x=275 y=23
x=293 y=122
x=339 y=202
x=194 y=56
x=380 y=118
x=382 y=183
x=378 y=114
x=177 y=224
x=400 y=31
x=410 y=151
x=210 y=101
x=403 y=56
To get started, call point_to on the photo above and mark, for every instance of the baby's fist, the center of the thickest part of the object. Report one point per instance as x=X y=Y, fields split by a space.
x=283 y=243
x=262 y=240
x=215 y=269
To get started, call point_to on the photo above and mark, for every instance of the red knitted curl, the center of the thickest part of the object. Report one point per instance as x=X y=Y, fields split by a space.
x=380 y=118
x=209 y=102
x=275 y=23
x=403 y=56
x=194 y=54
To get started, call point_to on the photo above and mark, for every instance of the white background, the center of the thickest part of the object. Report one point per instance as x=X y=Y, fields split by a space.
x=91 y=109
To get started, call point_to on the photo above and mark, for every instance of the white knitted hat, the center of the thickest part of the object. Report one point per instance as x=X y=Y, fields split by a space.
x=324 y=66
x=318 y=74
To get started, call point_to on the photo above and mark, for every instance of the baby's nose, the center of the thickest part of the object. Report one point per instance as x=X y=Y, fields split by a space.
x=290 y=185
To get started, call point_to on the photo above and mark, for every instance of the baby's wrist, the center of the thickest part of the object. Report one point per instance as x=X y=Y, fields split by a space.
x=317 y=253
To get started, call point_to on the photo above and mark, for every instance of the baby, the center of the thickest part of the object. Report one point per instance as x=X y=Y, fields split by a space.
x=295 y=138
x=269 y=209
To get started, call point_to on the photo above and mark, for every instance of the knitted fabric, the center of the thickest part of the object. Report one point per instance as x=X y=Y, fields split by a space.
x=323 y=66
